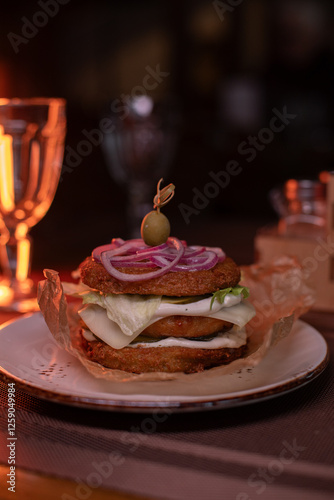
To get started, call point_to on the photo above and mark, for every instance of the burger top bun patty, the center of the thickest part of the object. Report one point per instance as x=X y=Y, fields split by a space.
x=181 y=283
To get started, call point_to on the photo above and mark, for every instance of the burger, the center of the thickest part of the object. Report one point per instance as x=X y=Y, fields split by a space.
x=168 y=307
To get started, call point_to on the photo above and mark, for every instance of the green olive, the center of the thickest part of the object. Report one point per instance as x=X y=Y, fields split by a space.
x=155 y=228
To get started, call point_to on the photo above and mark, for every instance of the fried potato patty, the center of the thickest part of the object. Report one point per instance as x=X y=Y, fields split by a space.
x=181 y=283
x=186 y=326
x=159 y=359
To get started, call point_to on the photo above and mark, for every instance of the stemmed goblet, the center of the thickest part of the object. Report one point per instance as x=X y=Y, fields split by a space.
x=32 y=134
x=139 y=151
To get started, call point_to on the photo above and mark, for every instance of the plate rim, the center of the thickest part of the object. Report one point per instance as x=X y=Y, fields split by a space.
x=205 y=403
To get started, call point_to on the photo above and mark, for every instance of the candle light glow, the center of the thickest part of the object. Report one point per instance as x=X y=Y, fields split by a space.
x=6 y=172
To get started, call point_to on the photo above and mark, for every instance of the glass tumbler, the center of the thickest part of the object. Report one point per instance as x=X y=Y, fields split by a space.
x=301 y=205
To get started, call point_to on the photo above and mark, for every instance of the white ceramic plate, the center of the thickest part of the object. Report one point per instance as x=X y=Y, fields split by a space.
x=30 y=357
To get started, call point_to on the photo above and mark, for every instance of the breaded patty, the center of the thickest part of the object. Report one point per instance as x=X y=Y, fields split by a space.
x=159 y=359
x=180 y=284
x=186 y=327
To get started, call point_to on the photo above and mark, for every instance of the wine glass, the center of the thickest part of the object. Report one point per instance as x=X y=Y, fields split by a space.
x=32 y=134
x=139 y=151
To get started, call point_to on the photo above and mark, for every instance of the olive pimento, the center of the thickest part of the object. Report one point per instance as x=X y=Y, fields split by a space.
x=155 y=228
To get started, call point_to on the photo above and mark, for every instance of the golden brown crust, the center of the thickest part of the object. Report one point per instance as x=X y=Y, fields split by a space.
x=159 y=359
x=186 y=326
x=182 y=283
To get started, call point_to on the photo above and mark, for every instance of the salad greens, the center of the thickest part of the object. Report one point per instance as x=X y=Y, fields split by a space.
x=221 y=294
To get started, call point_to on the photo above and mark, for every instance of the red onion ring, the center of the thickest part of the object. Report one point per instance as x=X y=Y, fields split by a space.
x=117 y=241
x=105 y=259
x=209 y=261
x=118 y=248
x=103 y=248
x=153 y=249
x=174 y=256
x=221 y=254
x=140 y=255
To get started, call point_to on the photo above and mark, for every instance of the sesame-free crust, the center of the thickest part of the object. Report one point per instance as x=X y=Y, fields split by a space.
x=159 y=359
x=181 y=283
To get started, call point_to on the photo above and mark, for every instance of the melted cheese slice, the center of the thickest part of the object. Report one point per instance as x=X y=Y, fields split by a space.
x=233 y=310
x=236 y=337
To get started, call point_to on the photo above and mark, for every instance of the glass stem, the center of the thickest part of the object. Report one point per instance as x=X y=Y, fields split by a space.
x=15 y=258
x=139 y=204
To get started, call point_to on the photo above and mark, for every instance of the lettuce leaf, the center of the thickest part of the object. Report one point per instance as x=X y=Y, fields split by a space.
x=221 y=294
x=130 y=312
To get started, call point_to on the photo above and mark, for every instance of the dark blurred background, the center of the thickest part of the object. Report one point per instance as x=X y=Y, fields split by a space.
x=229 y=64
